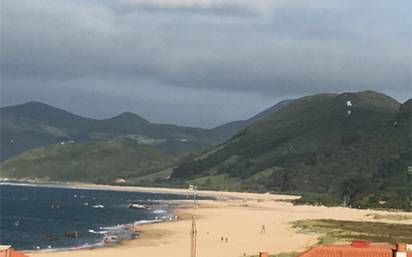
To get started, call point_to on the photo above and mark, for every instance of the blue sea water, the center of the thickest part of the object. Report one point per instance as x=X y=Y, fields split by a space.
x=29 y=213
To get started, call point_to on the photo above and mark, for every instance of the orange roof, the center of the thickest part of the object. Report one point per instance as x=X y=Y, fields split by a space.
x=338 y=251
x=17 y=254
x=7 y=251
x=356 y=249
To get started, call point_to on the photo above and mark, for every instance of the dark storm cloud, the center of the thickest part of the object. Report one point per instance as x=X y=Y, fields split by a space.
x=173 y=54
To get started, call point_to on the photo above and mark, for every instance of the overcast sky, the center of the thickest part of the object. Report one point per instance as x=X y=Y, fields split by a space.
x=200 y=62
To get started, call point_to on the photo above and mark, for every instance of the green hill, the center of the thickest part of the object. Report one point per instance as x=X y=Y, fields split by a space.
x=32 y=125
x=319 y=144
x=94 y=161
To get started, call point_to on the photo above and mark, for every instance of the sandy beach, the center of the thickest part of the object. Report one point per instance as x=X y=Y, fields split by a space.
x=237 y=216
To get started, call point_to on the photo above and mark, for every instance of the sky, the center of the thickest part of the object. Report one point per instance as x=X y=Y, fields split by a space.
x=200 y=63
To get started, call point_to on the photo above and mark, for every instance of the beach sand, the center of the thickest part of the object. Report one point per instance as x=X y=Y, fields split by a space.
x=237 y=216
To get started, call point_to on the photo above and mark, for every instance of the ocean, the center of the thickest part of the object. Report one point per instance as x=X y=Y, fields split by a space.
x=42 y=217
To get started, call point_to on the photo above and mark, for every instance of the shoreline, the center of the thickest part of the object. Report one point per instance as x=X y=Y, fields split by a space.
x=156 y=190
x=237 y=216
x=99 y=245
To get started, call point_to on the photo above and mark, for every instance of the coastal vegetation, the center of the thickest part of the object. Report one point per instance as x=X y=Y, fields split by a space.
x=393 y=217
x=332 y=231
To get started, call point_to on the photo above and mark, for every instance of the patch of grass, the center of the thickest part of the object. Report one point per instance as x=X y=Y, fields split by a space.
x=317 y=199
x=216 y=182
x=152 y=179
x=332 y=231
x=293 y=254
x=396 y=217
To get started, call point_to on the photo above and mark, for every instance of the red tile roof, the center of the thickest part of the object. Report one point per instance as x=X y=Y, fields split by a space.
x=336 y=251
x=6 y=251
x=356 y=249
x=17 y=254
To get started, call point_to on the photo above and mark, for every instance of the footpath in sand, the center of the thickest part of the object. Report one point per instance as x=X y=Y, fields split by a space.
x=240 y=220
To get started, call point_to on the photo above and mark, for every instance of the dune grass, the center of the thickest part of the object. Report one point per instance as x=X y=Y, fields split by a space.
x=395 y=217
x=332 y=231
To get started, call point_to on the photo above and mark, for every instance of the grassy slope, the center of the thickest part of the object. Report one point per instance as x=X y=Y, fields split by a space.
x=96 y=161
x=311 y=145
x=375 y=169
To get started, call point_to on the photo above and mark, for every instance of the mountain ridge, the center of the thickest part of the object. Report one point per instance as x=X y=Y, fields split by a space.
x=34 y=124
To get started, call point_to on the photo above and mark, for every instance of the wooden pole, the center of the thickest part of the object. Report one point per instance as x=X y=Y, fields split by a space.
x=194 y=238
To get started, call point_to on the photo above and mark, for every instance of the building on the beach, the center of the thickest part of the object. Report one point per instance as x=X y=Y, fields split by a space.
x=7 y=251
x=360 y=248
x=119 y=181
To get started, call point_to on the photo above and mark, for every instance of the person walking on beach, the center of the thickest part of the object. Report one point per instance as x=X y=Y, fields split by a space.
x=263 y=229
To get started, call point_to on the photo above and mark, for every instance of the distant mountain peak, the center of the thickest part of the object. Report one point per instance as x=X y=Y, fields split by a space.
x=39 y=111
x=30 y=104
x=35 y=103
x=405 y=111
x=130 y=116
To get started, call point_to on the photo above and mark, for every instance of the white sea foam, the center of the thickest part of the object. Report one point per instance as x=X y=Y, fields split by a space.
x=84 y=246
x=121 y=226
x=102 y=232
x=159 y=211
x=141 y=222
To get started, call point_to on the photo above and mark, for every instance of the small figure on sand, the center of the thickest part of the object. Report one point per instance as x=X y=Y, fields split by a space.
x=227 y=240
x=222 y=239
x=263 y=229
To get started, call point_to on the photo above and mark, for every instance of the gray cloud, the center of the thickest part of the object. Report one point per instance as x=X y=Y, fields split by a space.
x=175 y=55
